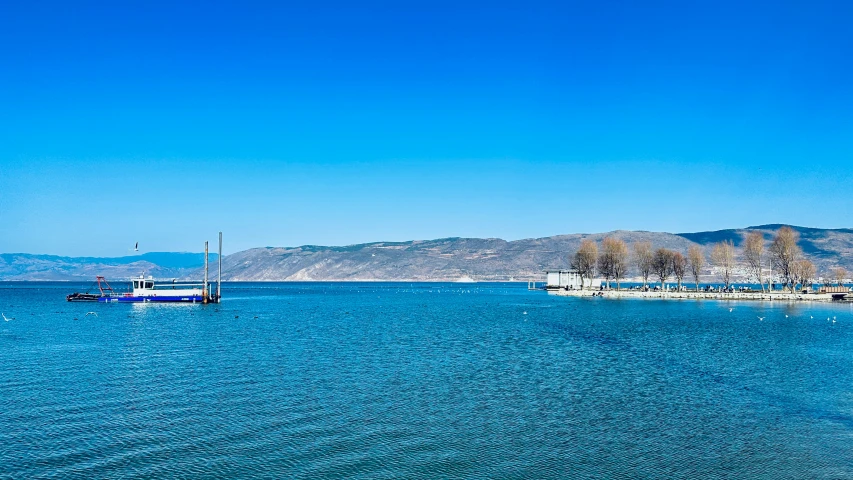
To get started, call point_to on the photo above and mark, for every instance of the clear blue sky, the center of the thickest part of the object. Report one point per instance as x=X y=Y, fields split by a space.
x=324 y=123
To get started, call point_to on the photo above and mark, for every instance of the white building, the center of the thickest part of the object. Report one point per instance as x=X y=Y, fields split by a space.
x=567 y=279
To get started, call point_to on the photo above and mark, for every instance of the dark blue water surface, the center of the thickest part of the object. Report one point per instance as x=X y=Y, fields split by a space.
x=422 y=381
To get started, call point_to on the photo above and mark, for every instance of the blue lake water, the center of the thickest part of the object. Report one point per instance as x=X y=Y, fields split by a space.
x=422 y=381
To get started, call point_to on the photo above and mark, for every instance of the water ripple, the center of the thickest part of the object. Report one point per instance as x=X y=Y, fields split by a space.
x=423 y=381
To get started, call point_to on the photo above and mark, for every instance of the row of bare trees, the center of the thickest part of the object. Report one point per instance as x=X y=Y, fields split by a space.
x=665 y=263
x=612 y=261
x=783 y=255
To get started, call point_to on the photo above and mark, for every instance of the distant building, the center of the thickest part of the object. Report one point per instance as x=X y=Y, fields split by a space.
x=567 y=279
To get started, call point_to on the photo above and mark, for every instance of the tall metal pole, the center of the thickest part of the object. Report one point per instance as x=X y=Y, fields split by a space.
x=204 y=289
x=770 y=277
x=219 y=278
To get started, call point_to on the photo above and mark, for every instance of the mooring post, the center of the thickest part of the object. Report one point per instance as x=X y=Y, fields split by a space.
x=204 y=288
x=219 y=277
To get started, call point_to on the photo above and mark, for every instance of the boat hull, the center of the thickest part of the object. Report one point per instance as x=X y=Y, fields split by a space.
x=154 y=299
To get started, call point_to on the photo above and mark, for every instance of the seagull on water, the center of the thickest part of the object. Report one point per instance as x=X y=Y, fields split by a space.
x=730 y=310
x=7 y=319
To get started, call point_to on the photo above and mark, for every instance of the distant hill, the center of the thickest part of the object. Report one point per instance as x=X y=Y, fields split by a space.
x=825 y=247
x=25 y=266
x=442 y=259
x=445 y=259
x=489 y=259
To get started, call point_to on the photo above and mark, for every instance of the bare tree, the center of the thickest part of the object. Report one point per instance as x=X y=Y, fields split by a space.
x=605 y=263
x=696 y=258
x=584 y=260
x=613 y=260
x=723 y=257
x=784 y=253
x=753 y=252
x=679 y=267
x=620 y=260
x=805 y=272
x=643 y=257
x=840 y=274
x=662 y=264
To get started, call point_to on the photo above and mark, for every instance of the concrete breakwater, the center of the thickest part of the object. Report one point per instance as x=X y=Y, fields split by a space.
x=774 y=296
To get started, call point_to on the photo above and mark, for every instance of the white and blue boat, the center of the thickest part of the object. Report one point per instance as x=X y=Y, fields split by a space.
x=148 y=290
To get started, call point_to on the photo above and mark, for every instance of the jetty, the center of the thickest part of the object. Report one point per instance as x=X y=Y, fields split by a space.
x=688 y=295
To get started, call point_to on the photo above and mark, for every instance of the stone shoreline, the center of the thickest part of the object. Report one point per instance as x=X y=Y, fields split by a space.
x=775 y=296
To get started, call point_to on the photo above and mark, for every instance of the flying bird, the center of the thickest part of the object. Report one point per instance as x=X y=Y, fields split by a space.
x=761 y=319
x=92 y=313
x=7 y=319
x=136 y=247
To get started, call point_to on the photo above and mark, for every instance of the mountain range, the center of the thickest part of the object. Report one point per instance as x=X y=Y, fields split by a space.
x=25 y=266
x=445 y=259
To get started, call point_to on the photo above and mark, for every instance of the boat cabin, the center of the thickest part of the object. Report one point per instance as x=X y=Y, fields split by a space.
x=143 y=284
x=147 y=287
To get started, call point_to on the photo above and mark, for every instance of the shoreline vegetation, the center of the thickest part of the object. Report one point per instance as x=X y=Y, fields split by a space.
x=770 y=263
